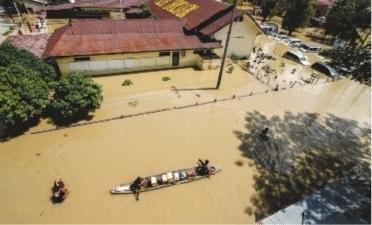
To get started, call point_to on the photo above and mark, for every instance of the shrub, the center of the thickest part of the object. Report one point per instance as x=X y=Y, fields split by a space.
x=10 y=54
x=127 y=83
x=165 y=78
x=74 y=97
x=230 y=69
x=23 y=96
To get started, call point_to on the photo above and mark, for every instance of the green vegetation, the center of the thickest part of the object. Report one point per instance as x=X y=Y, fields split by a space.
x=297 y=14
x=10 y=55
x=165 y=78
x=30 y=89
x=74 y=97
x=127 y=83
x=23 y=96
x=57 y=2
x=230 y=69
x=267 y=7
x=346 y=17
x=358 y=60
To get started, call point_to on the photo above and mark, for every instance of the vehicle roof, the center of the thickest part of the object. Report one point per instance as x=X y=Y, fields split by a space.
x=312 y=45
x=297 y=53
x=330 y=68
x=295 y=39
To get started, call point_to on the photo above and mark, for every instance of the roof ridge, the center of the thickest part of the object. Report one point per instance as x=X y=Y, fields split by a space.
x=54 y=39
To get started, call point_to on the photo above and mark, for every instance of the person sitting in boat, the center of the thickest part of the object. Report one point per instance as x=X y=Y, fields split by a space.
x=135 y=187
x=59 y=191
x=202 y=168
x=58 y=184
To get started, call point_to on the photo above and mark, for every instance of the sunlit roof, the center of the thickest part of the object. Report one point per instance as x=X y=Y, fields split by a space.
x=178 y=8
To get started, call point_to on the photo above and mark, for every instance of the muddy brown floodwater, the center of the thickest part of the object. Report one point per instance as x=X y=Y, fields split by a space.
x=93 y=158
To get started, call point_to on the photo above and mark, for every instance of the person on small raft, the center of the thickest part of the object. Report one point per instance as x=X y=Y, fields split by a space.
x=59 y=190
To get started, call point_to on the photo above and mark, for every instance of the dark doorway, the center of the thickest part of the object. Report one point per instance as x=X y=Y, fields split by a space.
x=175 y=59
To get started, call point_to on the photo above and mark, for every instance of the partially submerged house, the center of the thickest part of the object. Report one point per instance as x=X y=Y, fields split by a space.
x=209 y=19
x=111 y=46
x=181 y=33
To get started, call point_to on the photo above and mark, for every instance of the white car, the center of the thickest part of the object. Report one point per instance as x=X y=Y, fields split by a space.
x=310 y=48
x=297 y=56
x=294 y=43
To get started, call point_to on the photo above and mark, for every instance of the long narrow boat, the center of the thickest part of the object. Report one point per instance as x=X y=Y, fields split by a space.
x=166 y=179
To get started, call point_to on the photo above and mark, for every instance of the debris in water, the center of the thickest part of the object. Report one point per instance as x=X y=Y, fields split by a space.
x=239 y=162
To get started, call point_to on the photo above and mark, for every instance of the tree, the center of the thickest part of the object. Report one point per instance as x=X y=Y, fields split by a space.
x=57 y=2
x=10 y=55
x=298 y=14
x=267 y=7
x=23 y=96
x=357 y=59
x=346 y=17
x=74 y=97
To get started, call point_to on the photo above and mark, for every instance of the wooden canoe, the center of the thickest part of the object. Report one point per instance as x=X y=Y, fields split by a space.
x=166 y=179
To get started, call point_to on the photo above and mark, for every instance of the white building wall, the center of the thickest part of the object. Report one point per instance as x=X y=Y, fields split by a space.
x=116 y=63
x=242 y=39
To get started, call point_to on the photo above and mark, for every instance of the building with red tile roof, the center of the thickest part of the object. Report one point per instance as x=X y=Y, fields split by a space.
x=210 y=21
x=35 y=44
x=108 y=46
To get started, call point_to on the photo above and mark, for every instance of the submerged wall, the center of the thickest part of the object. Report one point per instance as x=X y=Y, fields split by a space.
x=116 y=63
x=242 y=39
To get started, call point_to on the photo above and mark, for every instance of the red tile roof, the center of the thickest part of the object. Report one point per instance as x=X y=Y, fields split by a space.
x=210 y=12
x=121 y=36
x=219 y=23
x=103 y=4
x=35 y=44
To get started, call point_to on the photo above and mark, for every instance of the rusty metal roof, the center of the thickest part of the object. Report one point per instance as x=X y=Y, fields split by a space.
x=103 y=4
x=209 y=13
x=35 y=44
x=219 y=23
x=89 y=37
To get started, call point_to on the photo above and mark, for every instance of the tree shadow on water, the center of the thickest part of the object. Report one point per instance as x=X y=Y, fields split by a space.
x=301 y=153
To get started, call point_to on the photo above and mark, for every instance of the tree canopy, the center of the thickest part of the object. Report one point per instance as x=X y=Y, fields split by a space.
x=346 y=17
x=267 y=7
x=10 y=54
x=297 y=14
x=23 y=96
x=29 y=86
x=74 y=97
x=358 y=60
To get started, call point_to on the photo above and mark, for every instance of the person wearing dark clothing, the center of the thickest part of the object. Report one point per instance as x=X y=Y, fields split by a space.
x=202 y=168
x=136 y=186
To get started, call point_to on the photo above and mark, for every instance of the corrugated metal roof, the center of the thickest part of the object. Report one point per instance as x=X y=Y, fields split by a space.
x=35 y=44
x=331 y=205
x=206 y=10
x=121 y=36
x=216 y=25
x=103 y=4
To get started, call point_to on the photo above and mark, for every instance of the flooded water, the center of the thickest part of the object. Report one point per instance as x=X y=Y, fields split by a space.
x=93 y=158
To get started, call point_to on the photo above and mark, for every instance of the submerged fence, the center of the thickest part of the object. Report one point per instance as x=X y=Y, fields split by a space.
x=196 y=104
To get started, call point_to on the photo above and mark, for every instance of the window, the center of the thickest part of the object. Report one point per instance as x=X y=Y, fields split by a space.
x=161 y=54
x=183 y=53
x=198 y=52
x=80 y=59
